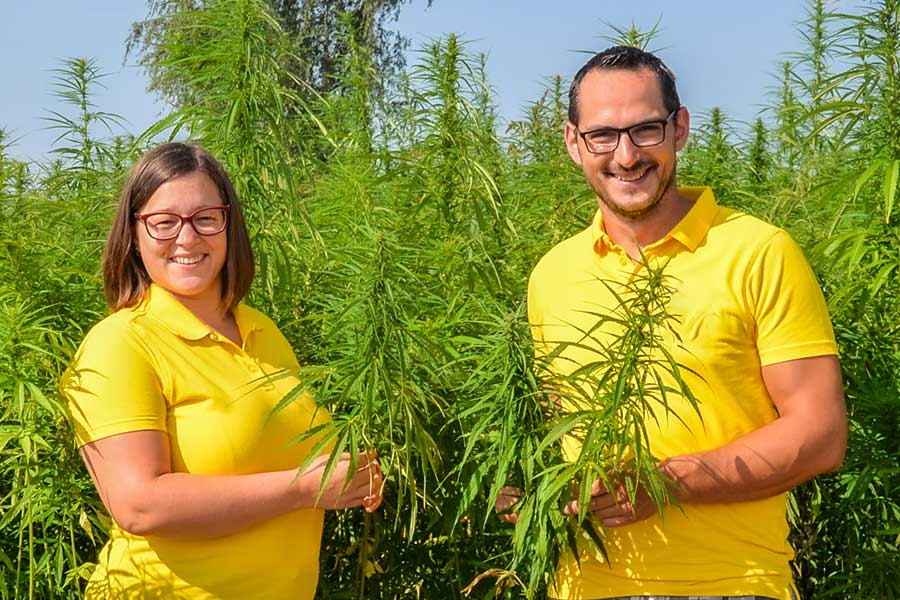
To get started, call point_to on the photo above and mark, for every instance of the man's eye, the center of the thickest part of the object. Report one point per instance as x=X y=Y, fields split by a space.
x=649 y=130
x=603 y=136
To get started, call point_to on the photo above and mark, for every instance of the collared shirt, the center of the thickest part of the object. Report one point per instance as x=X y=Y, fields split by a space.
x=156 y=366
x=742 y=296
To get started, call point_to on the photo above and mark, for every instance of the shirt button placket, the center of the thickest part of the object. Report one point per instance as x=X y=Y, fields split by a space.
x=257 y=373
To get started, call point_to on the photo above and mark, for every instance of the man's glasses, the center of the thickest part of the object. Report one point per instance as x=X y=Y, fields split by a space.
x=606 y=139
x=209 y=220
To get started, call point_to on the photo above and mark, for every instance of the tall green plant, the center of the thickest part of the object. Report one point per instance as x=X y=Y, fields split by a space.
x=868 y=115
x=456 y=161
x=52 y=225
x=388 y=302
x=710 y=157
x=591 y=425
x=227 y=58
x=758 y=157
x=83 y=153
x=811 y=74
x=394 y=234
x=847 y=524
x=546 y=188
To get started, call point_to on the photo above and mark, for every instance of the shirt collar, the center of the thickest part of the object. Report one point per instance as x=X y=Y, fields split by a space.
x=693 y=227
x=177 y=318
x=690 y=231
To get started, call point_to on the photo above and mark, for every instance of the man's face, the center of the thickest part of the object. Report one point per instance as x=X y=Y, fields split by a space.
x=630 y=181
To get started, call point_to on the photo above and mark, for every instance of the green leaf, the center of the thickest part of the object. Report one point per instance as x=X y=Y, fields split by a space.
x=889 y=188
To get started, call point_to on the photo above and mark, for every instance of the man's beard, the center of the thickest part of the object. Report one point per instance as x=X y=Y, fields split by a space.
x=634 y=213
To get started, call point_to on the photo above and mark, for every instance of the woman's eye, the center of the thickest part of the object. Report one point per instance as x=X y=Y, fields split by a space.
x=164 y=222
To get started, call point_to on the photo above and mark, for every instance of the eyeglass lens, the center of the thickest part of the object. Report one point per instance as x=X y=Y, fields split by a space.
x=641 y=135
x=648 y=134
x=208 y=221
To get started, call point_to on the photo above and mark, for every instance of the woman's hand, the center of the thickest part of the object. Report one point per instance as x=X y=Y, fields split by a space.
x=363 y=488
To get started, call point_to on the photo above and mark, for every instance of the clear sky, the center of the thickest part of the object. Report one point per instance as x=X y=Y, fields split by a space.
x=724 y=53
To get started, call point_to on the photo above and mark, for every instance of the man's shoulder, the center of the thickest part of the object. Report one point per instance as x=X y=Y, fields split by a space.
x=748 y=246
x=569 y=254
x=737 y=228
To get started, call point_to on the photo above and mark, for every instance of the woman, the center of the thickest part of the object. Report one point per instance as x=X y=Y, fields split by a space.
x=173 y=409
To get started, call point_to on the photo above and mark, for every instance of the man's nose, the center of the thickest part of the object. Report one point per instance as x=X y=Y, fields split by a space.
x=626 y=153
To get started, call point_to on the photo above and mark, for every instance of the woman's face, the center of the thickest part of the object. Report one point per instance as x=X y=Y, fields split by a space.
x=189 y=265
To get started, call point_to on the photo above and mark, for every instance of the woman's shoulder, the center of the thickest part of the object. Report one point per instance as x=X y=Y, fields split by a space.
x=265 y=336
x=255 y=315
x=115 y=325
x=116 y=334
x=250 y=319
x=113 y=348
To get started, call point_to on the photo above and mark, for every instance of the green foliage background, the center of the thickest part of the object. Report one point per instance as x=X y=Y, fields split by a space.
x=394 y=228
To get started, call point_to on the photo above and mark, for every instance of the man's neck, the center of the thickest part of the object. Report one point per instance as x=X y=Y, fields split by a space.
x=634 y=233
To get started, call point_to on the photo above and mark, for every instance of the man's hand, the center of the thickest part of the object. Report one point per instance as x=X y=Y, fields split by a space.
x=506 y=499
x=613 y=507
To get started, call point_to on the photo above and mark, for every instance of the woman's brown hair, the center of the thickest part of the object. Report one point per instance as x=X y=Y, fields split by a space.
x=125 y=280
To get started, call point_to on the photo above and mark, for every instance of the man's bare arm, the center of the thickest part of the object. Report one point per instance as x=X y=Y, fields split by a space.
x=808 y=437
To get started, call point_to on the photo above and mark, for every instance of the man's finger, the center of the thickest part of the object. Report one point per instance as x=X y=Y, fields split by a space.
x=609 y=512
x=617 y=521
x=603 y=501
x=571 y=508
x=598 y=487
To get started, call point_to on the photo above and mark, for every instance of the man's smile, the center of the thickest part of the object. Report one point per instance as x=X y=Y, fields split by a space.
x=632 y=175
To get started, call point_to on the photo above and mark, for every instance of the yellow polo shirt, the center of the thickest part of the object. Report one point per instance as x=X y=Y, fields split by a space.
x=156 y=366
x=744 y=297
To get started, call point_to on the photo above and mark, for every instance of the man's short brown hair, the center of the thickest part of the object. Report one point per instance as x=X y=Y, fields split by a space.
x=626 y=58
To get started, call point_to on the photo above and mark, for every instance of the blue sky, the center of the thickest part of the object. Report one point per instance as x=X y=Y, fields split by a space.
x=724 y=53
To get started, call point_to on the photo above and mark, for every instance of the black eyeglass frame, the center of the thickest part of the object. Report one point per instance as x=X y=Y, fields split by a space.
x=628 y=130
x=183 y=220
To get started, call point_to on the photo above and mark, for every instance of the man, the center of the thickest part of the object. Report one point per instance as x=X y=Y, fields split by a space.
x=752 y=331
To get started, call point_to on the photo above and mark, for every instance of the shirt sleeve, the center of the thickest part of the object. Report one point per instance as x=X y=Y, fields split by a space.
x=792 y=319
x=112 y=386
x=536 y=315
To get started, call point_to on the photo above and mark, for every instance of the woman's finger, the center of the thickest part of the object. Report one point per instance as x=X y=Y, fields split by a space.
x=509 y=517
x=371 y=503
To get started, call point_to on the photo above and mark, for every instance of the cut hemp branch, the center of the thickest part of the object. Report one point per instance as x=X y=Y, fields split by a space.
x=596 y=421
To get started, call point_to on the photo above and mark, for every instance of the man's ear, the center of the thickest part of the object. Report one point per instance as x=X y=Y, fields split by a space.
x=682 y=127
x=571 y=138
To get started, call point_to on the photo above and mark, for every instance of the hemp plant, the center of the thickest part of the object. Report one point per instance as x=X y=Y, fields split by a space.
x=596 y=417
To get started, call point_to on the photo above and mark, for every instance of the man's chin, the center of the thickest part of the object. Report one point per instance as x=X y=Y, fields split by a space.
x=633 y=209
x=636 y=206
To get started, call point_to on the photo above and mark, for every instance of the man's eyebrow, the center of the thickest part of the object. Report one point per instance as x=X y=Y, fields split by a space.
x=610 y=127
